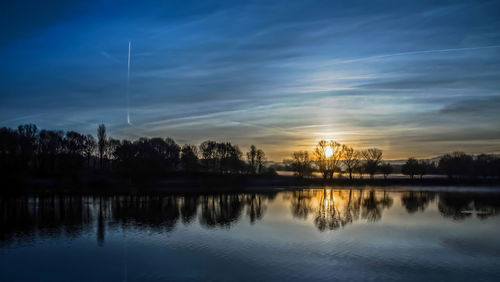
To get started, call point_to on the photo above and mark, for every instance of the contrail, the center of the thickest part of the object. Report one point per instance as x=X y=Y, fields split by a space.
x=436 y=51
x=419 y=52
x=128 y=83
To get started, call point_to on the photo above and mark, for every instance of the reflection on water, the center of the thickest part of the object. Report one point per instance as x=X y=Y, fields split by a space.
x=23 y=217
x=256 y=219
x=328 y=208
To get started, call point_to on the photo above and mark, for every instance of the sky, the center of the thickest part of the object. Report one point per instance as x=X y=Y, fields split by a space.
x=413 y=78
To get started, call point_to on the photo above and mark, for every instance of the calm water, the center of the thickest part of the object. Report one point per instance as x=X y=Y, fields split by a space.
x=325 y=234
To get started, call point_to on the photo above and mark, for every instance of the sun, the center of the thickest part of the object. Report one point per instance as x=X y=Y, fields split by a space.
x=328 y=152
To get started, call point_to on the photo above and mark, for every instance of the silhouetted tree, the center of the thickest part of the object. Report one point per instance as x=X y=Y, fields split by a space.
x=456 y=164
x=111 y=146
x=350 y=159
x=189 y=158
x=89 y=146
x=229 y=158
x=50 y=147
x=328 y=156
x=27 y=145
x=208 y=150
x=373 y=158
x=101 y=137
x=126 y=157
x=251 y=158
x=423 y=168
x=360 y=168
x=260 y=159
x=410 y=168
x=74 y=146
x=221 y=157
x=8 y=152
x=386 y=169
x=485 y=165
x=300 y=163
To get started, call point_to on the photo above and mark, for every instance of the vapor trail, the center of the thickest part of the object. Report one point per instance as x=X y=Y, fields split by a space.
x=419 y=52
x=128 y=83
x=437 y=51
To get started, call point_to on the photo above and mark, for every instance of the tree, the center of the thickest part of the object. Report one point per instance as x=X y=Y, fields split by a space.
x=89 y=146
x=456 y=164
x=189 y=158
x=373 y=158
x=126 y=157
x=74 y=143
x=101 y=137
x=300 y=163
x=360 y=168
x=221 y=157
x=50 y=147
x=228 y=158
x=27 y=144
x=109 y=151
x=260 y=159
x=73 y=146
x=208 y=150
x=256 y=158
x=350 y=159
x=484 y=165
x=386 y=169
x=251 y=157
x=410 y=168
x=423 y=168
x=8 y=152
x=328 y=155
x=168 y=152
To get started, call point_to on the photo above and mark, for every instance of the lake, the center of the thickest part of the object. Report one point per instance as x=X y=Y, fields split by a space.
x=301 y=235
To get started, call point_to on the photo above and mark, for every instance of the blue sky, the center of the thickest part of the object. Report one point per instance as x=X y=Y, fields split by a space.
x=414 y=78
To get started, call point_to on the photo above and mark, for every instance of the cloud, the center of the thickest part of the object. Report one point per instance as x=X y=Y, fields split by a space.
x=280 y=74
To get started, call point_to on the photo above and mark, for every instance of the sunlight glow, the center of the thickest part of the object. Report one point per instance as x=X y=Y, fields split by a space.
x=328 y=152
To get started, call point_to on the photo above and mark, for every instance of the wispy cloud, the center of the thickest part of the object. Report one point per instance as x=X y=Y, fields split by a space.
x=280 y=74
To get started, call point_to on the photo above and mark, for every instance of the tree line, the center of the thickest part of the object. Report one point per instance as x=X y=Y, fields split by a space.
x=30 y=151
x=329 y=157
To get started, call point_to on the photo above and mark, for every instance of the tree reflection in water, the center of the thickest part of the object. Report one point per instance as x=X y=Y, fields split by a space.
x=23 y=219
x=333 y=209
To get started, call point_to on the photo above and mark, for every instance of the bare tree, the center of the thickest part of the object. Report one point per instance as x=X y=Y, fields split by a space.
x=350 y=159
x=301 y=163
x=360 y=168
x=260 y=159
x=386 y=169
x=89 y=146
x=251 y=157
x=410 y=168
x=423 y=168
x=189 y=158
x=208 y=150
x=328 y=156
x=101 y=136
x=373 y=158
x=111 y=146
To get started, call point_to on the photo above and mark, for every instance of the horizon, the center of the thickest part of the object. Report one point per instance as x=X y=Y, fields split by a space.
x=413 y=79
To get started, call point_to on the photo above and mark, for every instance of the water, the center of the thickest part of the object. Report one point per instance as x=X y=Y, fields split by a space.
x=324 y=234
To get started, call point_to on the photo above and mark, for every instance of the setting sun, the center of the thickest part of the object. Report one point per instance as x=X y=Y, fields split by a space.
x=328 y=152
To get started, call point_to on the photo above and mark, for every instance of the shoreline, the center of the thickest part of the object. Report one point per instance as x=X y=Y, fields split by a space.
x=236 y=183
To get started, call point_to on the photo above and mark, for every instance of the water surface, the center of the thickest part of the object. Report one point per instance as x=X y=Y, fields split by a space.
x=323 y=234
